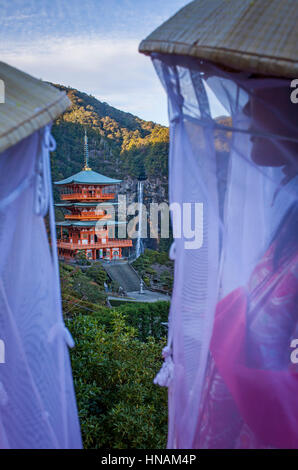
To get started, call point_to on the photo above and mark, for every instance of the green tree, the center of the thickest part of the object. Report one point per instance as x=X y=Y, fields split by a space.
x=97 y=274
x=119 y=406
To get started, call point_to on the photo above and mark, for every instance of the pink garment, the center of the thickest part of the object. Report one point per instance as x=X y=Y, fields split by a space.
x=251 y=389
x=218 y=163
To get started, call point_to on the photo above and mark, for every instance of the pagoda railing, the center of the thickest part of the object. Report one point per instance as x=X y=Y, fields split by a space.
x=88 y=197
x=114 y=242
x=89 y=216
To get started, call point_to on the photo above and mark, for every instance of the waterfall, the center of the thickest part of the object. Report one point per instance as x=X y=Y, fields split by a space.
x=139 y=247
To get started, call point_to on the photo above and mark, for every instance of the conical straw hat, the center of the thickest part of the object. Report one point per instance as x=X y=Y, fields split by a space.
x=29 y=104
x=260 y=36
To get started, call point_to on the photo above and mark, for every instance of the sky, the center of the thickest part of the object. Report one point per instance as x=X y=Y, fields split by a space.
x=91 y=45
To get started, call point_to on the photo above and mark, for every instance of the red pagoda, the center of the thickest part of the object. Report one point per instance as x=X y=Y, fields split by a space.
x=88 y=197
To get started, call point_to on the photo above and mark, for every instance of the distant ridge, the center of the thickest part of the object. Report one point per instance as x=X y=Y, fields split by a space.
x=120 y=144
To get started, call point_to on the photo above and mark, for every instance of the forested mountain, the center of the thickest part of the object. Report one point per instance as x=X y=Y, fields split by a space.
x=120 y=144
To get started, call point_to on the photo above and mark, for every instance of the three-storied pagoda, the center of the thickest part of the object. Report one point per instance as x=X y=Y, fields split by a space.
x=88 y=197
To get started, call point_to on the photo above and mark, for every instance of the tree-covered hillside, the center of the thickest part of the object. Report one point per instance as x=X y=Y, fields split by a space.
x=120 y=144
x=117 y=355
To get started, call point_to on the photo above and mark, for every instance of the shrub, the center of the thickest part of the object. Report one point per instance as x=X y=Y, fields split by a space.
x=76 y=284
x=119 y=406
x=156 y=269
x=146 y=318
x=81 y=258
x=97 y=274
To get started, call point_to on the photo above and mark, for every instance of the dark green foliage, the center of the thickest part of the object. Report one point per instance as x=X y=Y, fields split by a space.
x=148 y=155
x=81 y=258
x=120 y=144
x=117 y=355
x=75 y=284
x=166 y=279
x=146 y=318
x=87 y=290
x=156 y=269
x=149 y=257
x=97 y=274
x=165 y=243
x=114 y=286
x=119 y=406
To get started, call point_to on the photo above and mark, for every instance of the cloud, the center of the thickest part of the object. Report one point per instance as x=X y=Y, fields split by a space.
x=91 y=46
x=111 y=70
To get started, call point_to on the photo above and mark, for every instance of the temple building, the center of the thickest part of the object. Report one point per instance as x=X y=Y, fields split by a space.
x=90 y=223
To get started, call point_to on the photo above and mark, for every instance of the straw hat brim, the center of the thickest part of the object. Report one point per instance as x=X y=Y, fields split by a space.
x=259 y=36
x=29 y=104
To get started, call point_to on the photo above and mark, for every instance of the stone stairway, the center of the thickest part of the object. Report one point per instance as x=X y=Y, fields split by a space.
x=124 y=274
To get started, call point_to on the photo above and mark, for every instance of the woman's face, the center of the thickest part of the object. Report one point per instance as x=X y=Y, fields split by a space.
x=265 y=151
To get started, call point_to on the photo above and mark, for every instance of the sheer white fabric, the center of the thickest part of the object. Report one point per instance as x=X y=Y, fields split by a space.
x=37 y=403
x=245 y=192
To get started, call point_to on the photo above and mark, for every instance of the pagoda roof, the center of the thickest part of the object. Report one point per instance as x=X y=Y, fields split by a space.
x=88 y=223
x=88 y=177
x=86 y=204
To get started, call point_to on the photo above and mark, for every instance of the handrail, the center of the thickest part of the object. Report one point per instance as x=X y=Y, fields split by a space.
x=89 y=215
x=109 y=244
x=87 y=196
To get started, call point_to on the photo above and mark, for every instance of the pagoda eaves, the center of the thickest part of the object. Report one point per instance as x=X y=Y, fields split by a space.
x=88 y=177
x=85 y=194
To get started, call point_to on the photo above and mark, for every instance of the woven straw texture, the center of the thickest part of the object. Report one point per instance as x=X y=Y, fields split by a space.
x=29 y=105
x=260 y=36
